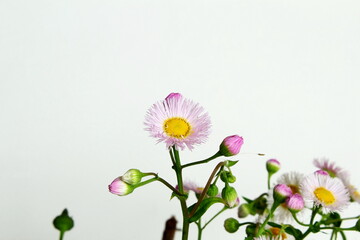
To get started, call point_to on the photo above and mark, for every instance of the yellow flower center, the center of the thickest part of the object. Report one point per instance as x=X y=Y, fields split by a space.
x=324 y=195
x=278 y=232
x=294 y=188
x=177 y=127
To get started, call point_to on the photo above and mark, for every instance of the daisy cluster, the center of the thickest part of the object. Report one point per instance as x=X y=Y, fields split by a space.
x=182 y=124
x=298 y=205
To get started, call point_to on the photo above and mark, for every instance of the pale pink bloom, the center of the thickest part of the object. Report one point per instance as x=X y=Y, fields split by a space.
x=178 y=122
x=120 y=187
x=329 y=167
x=231 y=145
x=325 y=191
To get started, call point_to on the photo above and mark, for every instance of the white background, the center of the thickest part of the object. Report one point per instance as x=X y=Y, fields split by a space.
x=76 y=78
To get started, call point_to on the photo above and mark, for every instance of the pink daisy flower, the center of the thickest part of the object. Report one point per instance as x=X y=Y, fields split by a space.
x=329 y=167
x=178 y=122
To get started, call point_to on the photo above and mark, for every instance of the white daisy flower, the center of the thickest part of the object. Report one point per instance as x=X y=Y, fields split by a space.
x=325 y=191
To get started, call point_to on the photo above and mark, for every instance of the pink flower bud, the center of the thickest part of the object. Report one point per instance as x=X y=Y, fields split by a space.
x=173 y=96
x=120 y=187
x=272 y=166
x=231 y=145
x=281 y=193
x=295 y=203
x=322 y=172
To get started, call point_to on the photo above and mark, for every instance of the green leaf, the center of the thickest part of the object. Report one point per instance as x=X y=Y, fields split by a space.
x=274 y=225
x=294 y=231
x=203 y=207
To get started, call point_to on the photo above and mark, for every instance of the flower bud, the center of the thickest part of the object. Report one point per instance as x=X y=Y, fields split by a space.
x=322 y=172
x=132 y=176
x=281 y=193
x=230 y=196
x=231 y=225
x=244 y=210
x=272 y=166
x=63 y=222
x=212 y=191
x=231 y=145
x=173 y=96
x=227 y=177
x=295 y=203
x=120 y=187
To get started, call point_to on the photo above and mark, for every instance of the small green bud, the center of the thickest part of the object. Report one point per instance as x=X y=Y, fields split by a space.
x=230 y=196
x=250 y=230
x=231 y=225
x=63 y=222
x=132 y=176
x=227 y=177
x=244 y=210
x=272 y=166
x=213 y=190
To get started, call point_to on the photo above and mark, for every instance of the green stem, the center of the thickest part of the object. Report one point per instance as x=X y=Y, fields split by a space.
x=216 y=155
x=217 y=214
x=313 y=214
x=203 y=193
x=268 y=180
x=61 y=235
x=343 y=235
x=146 y=182
x=339 y=229
x=166 y=184
x=272 y=210
x=342 y=219
x=198 y=223
x=178 y=170
x=297 y=220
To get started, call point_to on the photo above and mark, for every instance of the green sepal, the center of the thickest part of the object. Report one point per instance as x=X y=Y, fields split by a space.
x=294 y=231
x=175 y=195
x=315 y=228
x=230 y=163
x=250 y=231
x=247 y=200
x=203 y=207
x=357 y=225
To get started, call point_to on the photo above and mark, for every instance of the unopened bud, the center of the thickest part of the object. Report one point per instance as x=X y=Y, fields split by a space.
x=121 y=188
x=213 y=190
x=244 y=210
x=63 y=222
x=132 y=176
x=231 y=225
x=231 y=145
x=272 y=166
x=230 y=196
x=281 y=193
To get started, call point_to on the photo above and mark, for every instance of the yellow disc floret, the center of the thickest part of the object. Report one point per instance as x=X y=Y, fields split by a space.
x=324 y=195
x=177 y=127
